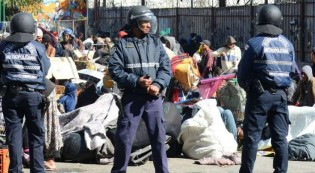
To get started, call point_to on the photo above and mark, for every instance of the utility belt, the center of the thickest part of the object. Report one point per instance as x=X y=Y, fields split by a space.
x=260 y=88
x=14 y=89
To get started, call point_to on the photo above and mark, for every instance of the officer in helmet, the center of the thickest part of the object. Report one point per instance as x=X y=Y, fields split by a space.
x=264 y=72
x=24 y=65
x=141 y=68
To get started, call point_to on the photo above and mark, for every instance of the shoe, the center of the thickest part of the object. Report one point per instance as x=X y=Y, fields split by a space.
x=49 y=167
x=26 y=160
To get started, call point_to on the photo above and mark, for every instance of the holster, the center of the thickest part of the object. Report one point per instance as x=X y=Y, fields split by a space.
x=257 y=87
x=45 y=104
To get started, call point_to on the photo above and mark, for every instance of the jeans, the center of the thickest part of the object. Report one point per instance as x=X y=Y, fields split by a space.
x=229 y=122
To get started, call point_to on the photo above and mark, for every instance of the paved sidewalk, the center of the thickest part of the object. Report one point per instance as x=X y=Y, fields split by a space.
x=183 y=165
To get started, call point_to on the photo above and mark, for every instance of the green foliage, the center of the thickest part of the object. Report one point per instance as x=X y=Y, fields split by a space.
x=32 y=6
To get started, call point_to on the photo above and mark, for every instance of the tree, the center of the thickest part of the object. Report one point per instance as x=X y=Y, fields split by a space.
x=14 y=6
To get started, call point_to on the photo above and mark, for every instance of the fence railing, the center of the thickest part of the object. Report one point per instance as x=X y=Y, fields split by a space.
x=216 y=23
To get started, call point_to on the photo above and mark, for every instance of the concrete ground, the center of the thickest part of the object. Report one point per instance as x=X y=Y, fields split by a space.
x=184 y=165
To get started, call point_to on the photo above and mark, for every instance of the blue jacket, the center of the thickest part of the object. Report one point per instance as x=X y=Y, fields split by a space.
x=24 y=64
x=69 y=99
x=134 y=58
x=268 y=59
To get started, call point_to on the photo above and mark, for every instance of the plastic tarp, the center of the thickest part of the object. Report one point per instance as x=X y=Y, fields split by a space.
x=302 y=122
x=93 y=120
x=208 y=87
x=205 y=135
x=62 y=68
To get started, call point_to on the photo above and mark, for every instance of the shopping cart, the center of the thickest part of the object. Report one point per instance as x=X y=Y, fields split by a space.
x=208 y=87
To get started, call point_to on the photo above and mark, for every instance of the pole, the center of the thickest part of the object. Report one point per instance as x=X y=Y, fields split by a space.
x=302 y=31
x=177 y=21
x=252 y=17
x=1 y=10
x=2 y=15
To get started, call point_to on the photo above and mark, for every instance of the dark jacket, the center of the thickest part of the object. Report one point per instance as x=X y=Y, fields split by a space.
x=134 y=58
x=268 y=59
x=24 y=64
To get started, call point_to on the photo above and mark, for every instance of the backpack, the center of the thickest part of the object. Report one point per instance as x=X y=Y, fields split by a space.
x=233 y=98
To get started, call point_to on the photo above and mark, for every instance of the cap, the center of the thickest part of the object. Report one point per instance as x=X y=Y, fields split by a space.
x=206 y=42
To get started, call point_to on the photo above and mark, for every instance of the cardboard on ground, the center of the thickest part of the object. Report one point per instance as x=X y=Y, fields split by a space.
x=62 y=68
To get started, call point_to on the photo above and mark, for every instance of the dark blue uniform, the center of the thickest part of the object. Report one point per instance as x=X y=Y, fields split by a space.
x=264 y=72
x=23 y=68
x=132 y=59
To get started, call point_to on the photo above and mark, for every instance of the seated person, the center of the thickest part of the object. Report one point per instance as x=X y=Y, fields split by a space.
x=68 y=100
x=50 y=50
x=87 y=96
x=304 y=94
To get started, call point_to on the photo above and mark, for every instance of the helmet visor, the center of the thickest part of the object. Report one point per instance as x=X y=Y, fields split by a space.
x=150 y=17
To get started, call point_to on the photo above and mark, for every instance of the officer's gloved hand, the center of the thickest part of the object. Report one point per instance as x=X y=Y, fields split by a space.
x=143 y=82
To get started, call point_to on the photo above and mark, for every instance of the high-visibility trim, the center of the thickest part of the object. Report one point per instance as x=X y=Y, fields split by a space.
x=24 y=76
x=21 y=67
x=273 y=62
x=138 y=65
x=279 y=73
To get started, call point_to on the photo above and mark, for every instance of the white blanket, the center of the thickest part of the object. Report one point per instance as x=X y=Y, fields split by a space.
x=205 y=135
x=302 y=122
x=93 y=119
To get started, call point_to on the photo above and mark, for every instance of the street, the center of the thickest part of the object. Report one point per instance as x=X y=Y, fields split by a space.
x=184 y=165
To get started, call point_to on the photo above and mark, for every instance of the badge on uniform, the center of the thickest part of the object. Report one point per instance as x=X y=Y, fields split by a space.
x=129 y=45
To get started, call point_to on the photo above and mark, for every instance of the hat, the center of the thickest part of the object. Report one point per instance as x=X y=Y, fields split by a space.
x=313 y=49
x=206 y=42
x=46 y=38
x=68 y=32
x=39 y=32
x=229 y=40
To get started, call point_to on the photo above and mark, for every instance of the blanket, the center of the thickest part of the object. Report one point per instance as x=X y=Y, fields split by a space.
x=205 y=135
x=302 y=122
x=93 y=119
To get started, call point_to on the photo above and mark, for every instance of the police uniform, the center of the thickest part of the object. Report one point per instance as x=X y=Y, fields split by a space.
x=132 y=59
x=24 y=65
x=264 y=72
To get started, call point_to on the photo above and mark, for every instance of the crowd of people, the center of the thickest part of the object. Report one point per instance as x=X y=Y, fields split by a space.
x=140 y=63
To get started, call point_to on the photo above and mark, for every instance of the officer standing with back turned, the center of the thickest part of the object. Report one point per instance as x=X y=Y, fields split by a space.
x=264 y=72
x=141 y=67
x=24 y=65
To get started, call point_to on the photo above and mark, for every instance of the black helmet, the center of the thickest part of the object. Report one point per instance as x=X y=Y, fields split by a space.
x=269 y=19
x=22 y=28
x=139 y=13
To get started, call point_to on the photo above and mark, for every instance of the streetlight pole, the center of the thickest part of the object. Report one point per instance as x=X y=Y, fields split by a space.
x=3 y=5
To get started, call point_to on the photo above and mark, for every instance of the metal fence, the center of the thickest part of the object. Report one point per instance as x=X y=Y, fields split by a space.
x=215 y=24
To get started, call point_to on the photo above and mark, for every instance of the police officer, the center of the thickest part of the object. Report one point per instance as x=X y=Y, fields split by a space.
x=24 y=65
x=141 y=67
x=264 y=72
